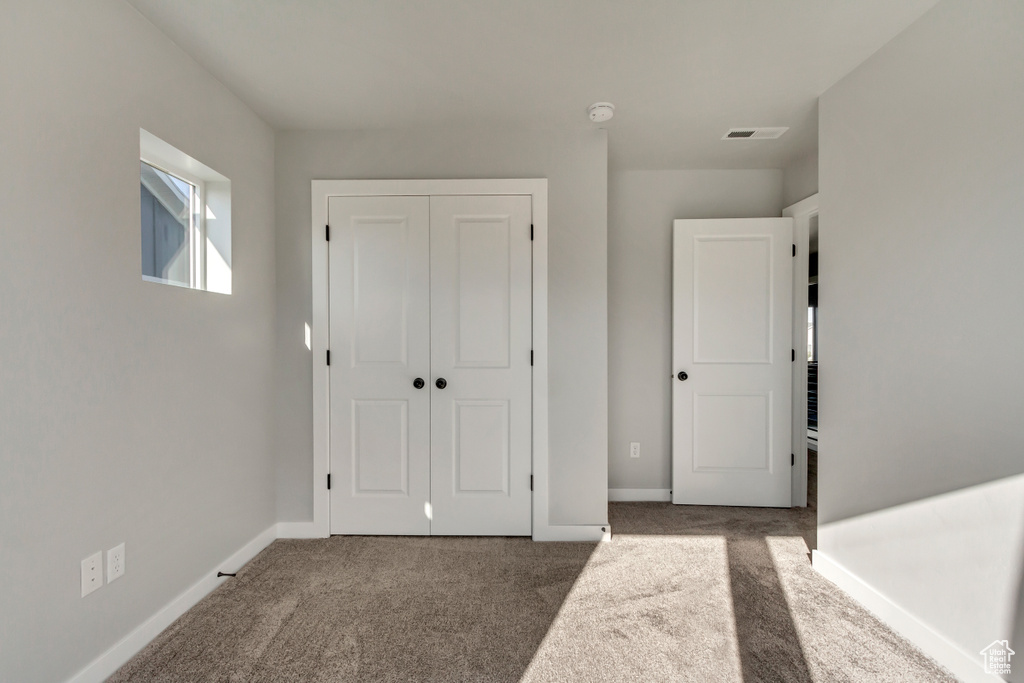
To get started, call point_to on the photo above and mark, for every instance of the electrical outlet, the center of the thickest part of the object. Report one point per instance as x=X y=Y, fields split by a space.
x=92 y=573
x=115 y=563
x=634 y=449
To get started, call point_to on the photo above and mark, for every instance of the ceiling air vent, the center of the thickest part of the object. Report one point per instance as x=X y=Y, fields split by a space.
x=754 y=133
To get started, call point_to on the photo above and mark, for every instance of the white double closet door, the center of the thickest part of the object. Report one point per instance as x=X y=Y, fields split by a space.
x=437 y=289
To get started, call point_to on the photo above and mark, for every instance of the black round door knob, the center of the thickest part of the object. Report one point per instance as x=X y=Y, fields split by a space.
x=440 y=383
x=682 y=376
x=418 y=382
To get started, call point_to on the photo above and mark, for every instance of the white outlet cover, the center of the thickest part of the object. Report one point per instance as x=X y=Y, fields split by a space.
x=634 y=449
x=115 y=563
x=92 y=573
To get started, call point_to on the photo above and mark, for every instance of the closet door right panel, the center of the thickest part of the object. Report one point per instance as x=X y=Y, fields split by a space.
x=481 y=334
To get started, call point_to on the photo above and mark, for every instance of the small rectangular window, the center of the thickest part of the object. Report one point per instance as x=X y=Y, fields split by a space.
x=172 y=228
x=185 y=219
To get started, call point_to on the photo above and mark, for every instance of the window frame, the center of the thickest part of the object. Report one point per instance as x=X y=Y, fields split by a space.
x=196 y=233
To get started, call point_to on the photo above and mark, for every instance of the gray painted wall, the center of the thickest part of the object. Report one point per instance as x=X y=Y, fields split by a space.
x=800 y=179
x=129 y=411
x=921 y=331
x=642 y=206
x=575 y=162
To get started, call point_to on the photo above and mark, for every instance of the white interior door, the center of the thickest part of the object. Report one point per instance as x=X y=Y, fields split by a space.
x=481 y=334
x=731 y=336
x=380 y=343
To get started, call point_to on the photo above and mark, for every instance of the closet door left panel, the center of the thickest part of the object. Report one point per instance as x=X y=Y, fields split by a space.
x=380 y=344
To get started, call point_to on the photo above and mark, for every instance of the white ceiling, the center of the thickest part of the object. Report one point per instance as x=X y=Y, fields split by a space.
x=680 y=72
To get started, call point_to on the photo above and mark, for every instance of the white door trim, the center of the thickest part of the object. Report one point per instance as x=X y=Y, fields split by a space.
x=801 y=213
x=537 y=188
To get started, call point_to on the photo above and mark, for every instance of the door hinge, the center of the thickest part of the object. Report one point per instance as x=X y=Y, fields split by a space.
x=531 y=482
x=327 y=232
x=531 y=357
x=531 y=232
x=793 y=357
x=794 y=250
x=328 y=482
x=792 y=459
x=328 y=356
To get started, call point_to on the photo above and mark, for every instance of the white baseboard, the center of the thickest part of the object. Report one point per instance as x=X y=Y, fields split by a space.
x=573 y=532
x=640 y=495
x=961 y=664
x=299 y=530
x=113 y=659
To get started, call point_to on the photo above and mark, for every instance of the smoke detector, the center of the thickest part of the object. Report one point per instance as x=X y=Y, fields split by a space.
x=761 y=133
x=601 y=111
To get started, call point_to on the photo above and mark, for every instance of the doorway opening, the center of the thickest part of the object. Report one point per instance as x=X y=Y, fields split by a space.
x=812 y=361
x=805 y=352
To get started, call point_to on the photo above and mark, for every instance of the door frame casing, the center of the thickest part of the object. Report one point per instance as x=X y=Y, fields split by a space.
x=801 y=213
x=321 y=191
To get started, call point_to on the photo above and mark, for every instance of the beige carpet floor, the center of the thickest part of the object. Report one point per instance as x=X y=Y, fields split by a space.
x=680 y=594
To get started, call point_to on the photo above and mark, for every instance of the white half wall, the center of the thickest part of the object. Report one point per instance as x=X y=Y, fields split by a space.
x=575 y=163
x=971 y=538
x=641 y=207
x=129 y=411
x=920 y=325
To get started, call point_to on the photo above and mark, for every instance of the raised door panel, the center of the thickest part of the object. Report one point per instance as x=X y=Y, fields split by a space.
x=380 y=343
x=480 y=448
x=718 y=446
x=731 y=299
x=483 y=291
x=481 y=313
x=380 y=290
x=380 y=448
